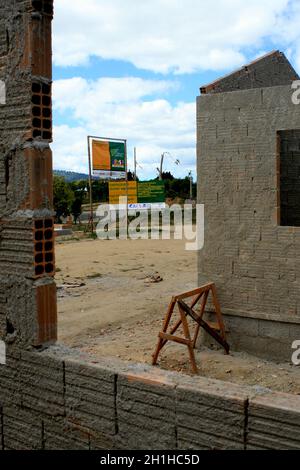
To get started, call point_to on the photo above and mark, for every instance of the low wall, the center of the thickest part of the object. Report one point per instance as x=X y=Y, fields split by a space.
x=56 y=399
x=267 y=339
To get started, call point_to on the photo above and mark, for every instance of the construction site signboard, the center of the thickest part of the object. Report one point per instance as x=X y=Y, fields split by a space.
x=108 y=158
x=150 y=192
x=123 y=189
x=142 y=195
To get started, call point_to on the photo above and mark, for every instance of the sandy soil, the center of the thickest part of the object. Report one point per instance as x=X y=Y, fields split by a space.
x=115 y=275
x=109 y=306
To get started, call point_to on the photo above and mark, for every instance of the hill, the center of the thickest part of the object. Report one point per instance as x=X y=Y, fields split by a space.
x=71 y=176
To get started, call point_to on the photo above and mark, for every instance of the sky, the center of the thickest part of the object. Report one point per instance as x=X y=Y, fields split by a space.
x=132 y=69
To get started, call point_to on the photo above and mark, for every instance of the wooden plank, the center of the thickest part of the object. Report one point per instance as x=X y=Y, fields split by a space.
x=188 y=337
x=218 y=311
x=194 y=292
x=202 y=310
x=204 y=325
x=161 y=343
x=178 y=323
x=214 y=325
x=176 y=339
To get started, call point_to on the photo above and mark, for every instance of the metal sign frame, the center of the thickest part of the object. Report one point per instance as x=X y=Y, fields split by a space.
x=90 y=138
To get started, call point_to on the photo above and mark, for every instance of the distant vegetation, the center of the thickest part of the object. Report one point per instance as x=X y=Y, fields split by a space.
x=71 y=191
x=70 y=176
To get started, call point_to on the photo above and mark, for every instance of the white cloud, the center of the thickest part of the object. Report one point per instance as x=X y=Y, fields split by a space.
x=177 y=36
x=287 y=31
x=123 y=108
x=170 y=35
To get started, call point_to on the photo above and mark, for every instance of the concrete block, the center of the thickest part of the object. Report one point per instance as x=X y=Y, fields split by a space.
x=42 y=384
x=22 y=431
x=10 y=390
x=90 y=397
x=60 y=434
x=211 y=413
x=146 y=404
x=274 y=422
x=99 y=441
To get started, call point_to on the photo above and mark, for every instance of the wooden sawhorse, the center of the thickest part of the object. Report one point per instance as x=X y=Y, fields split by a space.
x=214 y=329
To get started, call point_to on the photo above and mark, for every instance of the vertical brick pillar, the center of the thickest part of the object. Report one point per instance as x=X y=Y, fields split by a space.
x=28 y=311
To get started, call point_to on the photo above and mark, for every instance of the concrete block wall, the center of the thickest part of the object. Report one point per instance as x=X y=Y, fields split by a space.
x=273 y=69
x=59 y=400
x=252 y=259
x=28 y=296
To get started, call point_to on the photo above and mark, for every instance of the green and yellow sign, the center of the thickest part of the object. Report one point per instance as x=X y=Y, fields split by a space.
x=108 y=159
x=142 y=192
x=151 y=191
x=121 y=189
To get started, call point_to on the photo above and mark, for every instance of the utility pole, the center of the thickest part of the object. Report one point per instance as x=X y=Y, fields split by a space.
x=160 y=169
x=135 y=164
x=161 y=166
x=191 y=184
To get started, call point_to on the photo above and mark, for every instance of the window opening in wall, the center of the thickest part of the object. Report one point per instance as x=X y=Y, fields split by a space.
x=289 y=177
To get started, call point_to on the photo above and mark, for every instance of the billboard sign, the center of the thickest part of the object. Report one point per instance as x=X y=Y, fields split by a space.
x=108 y=158
x=142 y=195
x=150 y=192
x=119 y=189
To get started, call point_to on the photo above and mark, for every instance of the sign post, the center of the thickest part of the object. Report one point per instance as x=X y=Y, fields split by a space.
x=107 y=161
x=91 y=219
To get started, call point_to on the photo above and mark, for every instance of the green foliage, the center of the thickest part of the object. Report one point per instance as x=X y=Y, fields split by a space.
x=70 y=196
x=63 y=197
x=130 y=176
x=76 y=209
x=100 y=191
x=167 y=176
x=179 y=188
x=80 y=189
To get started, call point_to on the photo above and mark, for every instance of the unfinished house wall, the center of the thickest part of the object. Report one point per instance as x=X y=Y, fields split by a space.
x=273 y=69
x=28 y=294
x=252 y=259
x=55 y=398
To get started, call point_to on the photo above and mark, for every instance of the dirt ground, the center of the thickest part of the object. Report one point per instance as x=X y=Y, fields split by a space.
x=113 y=295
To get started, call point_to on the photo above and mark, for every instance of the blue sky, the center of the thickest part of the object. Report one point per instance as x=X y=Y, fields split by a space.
x=97 y=67
x=132 y=69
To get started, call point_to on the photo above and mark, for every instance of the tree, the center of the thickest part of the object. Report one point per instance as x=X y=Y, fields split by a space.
x=99 y=190
x=130 y=176
x=167 y=175
x=63 y=198
x=76 y=208
x=80 y=189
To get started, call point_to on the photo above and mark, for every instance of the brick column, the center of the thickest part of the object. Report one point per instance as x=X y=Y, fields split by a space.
x=28 y=312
